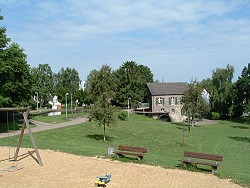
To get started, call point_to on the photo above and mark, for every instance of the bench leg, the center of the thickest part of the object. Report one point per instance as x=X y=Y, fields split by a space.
x=186 y=165
x=140 y=158
x=119 y=155
x=214 y=169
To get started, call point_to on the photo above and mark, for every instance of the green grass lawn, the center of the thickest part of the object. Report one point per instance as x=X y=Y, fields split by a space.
x=163 y=140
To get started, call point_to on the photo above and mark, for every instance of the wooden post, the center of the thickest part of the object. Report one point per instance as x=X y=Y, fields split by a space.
x=182 y=137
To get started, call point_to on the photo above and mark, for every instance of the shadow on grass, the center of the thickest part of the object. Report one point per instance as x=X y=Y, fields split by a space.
x=100 y=137
x=242 y=139
x=193 y=168
x=241 y=127
x=129 y=159
x=185 y=129
x=179 y=124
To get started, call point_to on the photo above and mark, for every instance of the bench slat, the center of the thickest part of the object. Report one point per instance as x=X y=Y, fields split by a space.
x=200 y=162
x=133 y=149
x=203 y=156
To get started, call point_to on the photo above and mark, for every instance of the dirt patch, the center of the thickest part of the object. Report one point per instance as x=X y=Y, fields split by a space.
x=67 y=170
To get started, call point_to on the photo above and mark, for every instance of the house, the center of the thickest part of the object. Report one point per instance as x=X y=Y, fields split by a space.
x=205 y=95
x=167 y=98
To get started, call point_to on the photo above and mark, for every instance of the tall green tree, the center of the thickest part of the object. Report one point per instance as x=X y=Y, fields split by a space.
x=15 y=78
x=194 y=103
x=43 y=83
x=242 y=90
x=132 y=83
x=221 y=95
x=67 y=81
x=101 y=85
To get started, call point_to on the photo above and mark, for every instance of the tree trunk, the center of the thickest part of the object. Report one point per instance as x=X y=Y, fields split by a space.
x=104 y=131
x=189 y=124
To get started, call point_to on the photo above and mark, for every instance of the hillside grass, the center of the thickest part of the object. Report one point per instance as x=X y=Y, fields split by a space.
x=163 y=140
x=58 y=118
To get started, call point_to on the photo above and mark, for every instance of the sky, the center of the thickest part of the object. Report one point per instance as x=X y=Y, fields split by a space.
x=179 y=40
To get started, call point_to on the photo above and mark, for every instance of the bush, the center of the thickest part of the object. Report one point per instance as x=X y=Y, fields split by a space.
x=246 y=115
x=215 y=115
x=122 y=116
x=198 y=116
x=246 y=118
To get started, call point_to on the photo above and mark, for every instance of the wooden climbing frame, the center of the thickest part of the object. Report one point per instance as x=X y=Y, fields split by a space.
x=25 y=112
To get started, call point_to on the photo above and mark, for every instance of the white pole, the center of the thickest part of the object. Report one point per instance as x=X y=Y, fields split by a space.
x=66 y=104
x=71 y=103
x=36 y=101
x=128 y=107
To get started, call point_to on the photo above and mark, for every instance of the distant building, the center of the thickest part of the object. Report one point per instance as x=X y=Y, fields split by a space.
x=205 y=95
x=82 y=85
x=167 y=98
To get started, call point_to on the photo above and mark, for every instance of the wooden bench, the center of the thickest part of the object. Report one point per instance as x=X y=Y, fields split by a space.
x=203 y=159
x=131 y=151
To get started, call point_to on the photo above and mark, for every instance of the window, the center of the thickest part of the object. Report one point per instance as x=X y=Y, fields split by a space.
x=172 y=100
x=159 y=101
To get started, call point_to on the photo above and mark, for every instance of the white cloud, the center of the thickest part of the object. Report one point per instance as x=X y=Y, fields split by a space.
x=157 y=33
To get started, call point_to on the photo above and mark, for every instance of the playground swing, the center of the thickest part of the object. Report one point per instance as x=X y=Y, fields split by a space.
x=25 y=125
x=14 y=166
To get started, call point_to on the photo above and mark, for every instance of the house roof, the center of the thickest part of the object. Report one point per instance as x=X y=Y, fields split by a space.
x=169 y=88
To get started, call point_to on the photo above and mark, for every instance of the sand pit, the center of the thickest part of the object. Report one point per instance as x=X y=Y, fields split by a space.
x=67 y=170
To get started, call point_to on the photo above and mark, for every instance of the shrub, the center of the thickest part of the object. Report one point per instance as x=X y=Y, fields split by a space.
x=215 y=115
x=246 y=118
x=198 y=116
x=122 y=116
x=246 y=115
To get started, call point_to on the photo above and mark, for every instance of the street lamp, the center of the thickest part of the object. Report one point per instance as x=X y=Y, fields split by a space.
x=128 y=106
x=66 y=104
x=36 y=101
x=71 y=103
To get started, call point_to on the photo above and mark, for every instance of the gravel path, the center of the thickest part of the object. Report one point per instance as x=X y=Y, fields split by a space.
x=42 y=126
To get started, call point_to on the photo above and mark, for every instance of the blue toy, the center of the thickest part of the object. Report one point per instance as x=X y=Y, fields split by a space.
x=103 y=180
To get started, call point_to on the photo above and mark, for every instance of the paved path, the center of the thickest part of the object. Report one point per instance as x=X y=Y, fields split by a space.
x=42 y=126
x=206 y=122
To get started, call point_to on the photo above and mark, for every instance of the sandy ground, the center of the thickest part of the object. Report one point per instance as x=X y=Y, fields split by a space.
x=67 y=170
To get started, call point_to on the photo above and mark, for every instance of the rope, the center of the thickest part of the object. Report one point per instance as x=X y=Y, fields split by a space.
x=14 y=166
x=13 y=120
x=8 y=128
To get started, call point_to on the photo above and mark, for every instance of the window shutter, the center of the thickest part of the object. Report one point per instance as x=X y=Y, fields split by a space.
x=169 y=100
x=162 y=101
x=175 y=100
x=156 y=101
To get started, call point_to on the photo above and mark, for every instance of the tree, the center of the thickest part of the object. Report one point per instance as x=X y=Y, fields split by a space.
x=43 y=82
x=242 y=85
x=16 y=81
x=88 y=86
x=221 y=95
x=67 y=81
x=194 y=103
x=132 y=83
x=101 y=86
x=104 y=113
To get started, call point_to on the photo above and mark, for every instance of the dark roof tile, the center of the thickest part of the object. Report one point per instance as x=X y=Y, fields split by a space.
x=169 y=88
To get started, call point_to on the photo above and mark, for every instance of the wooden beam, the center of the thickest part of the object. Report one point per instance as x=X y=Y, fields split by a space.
x=26 y=125
x=22 y=109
